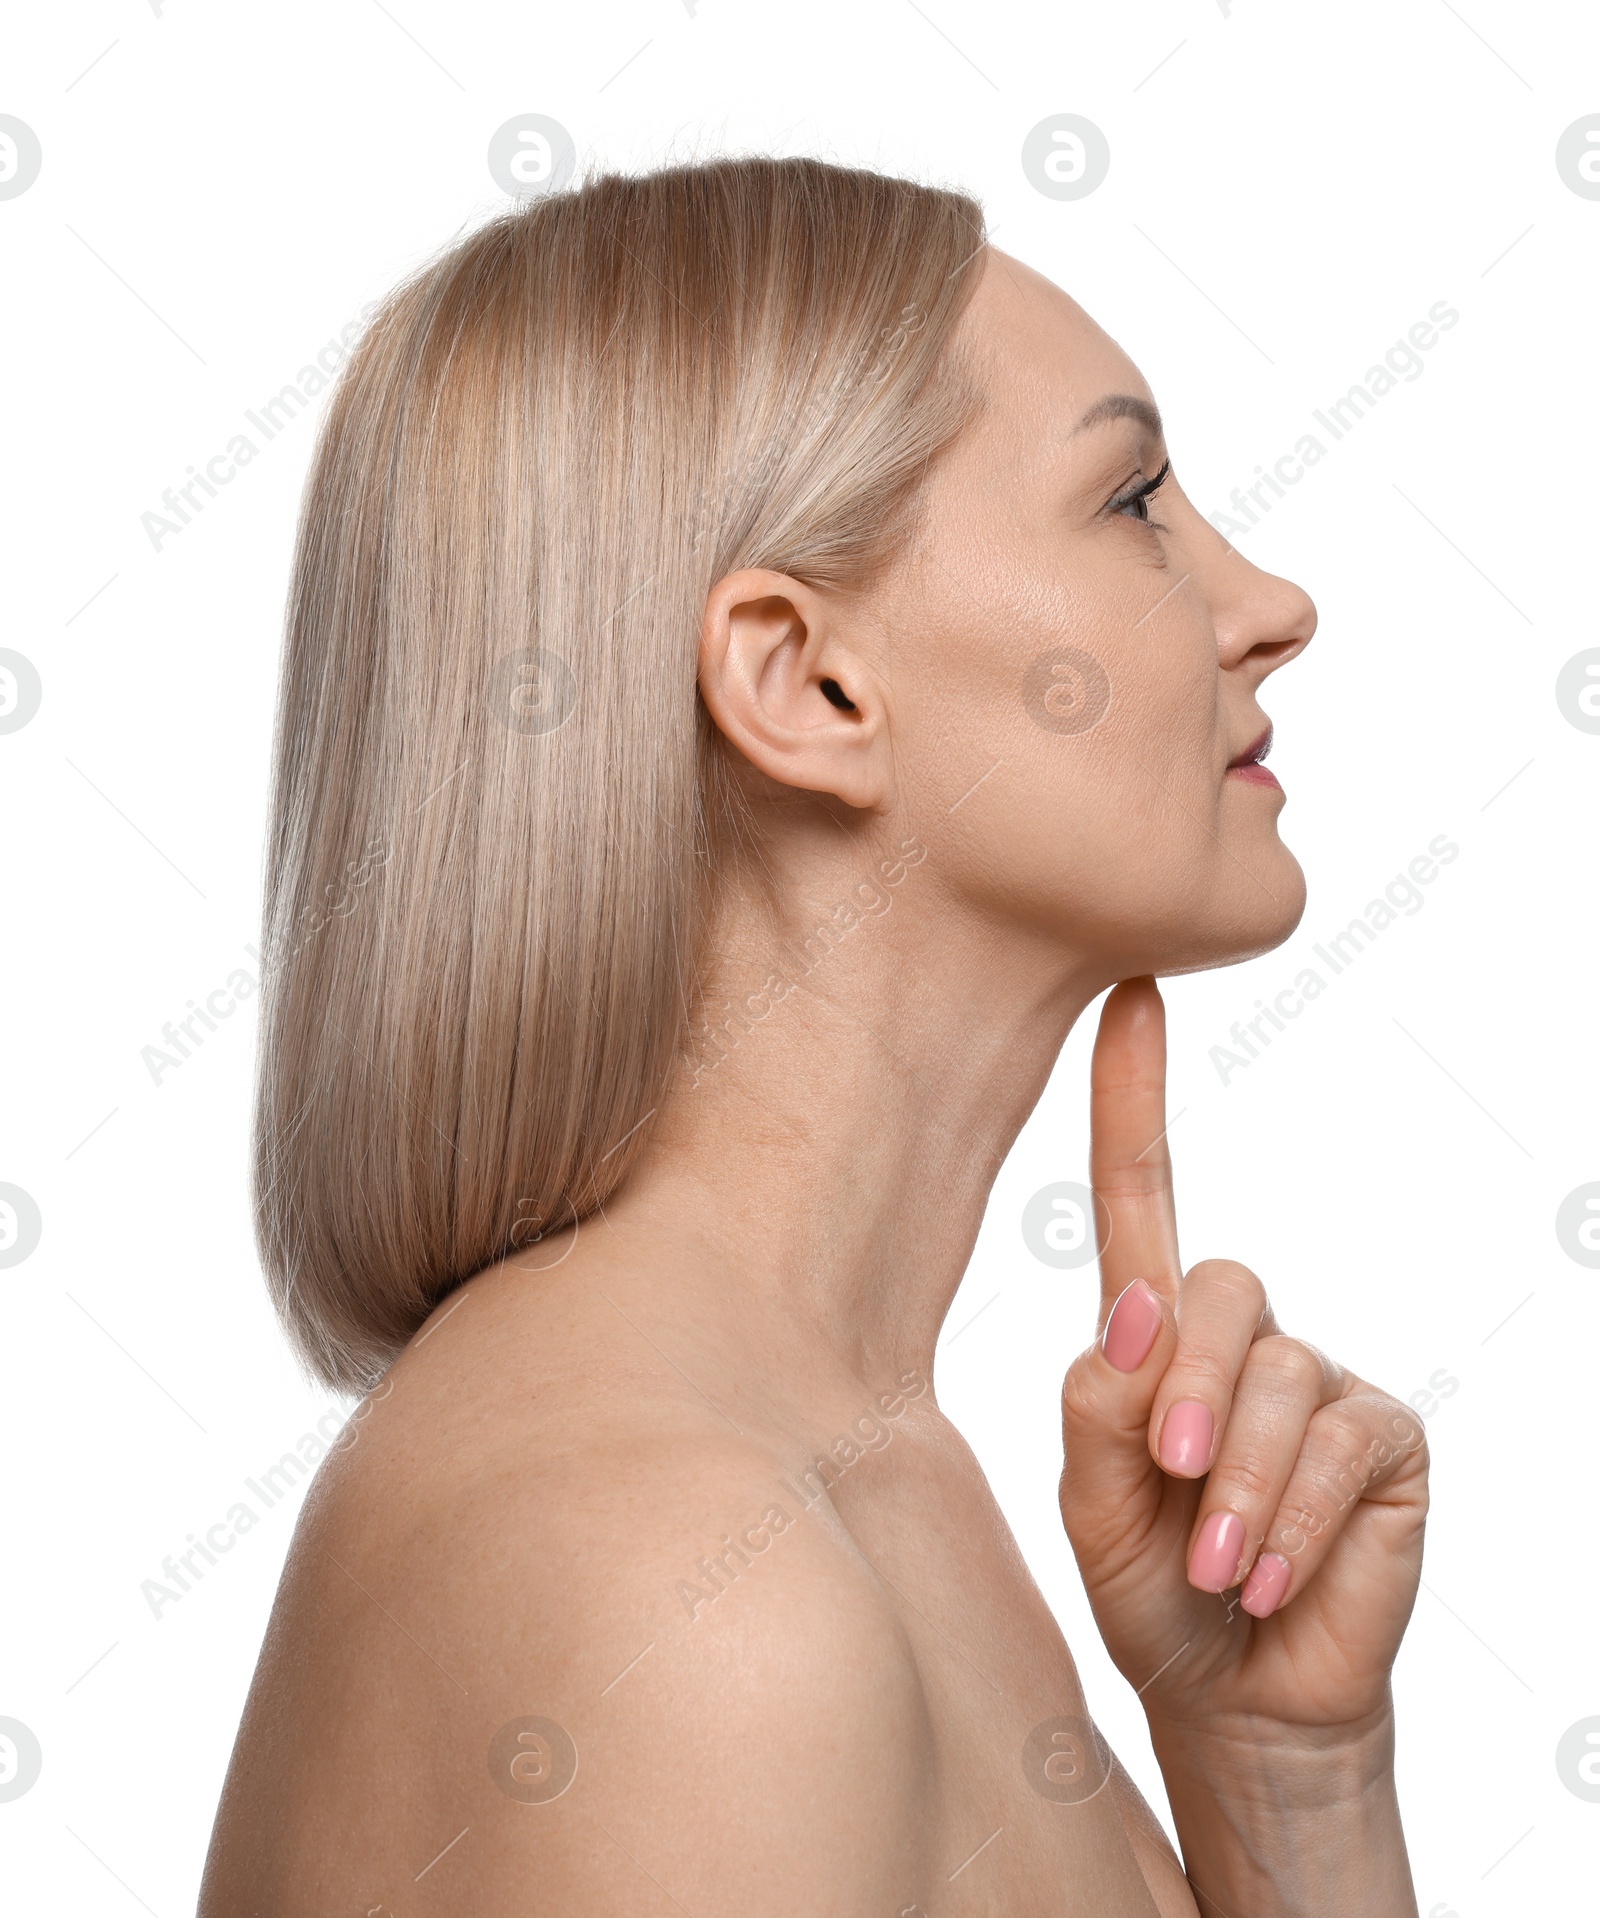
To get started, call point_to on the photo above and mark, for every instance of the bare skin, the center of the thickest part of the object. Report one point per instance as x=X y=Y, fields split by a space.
x=580 y=1496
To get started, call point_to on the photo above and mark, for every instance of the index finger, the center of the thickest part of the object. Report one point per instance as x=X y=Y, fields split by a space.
x=1129 y=1167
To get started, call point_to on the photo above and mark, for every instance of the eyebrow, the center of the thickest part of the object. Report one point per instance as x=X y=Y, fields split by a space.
x=1122 y=406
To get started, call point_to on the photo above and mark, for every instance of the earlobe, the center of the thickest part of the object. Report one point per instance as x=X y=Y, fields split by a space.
x=784 y=686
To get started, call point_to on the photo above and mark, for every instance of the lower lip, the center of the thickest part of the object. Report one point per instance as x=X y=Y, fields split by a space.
x=1254 y=775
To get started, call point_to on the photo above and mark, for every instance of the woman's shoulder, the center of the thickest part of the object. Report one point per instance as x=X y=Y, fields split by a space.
x=583 y=1487
x=585 y=1590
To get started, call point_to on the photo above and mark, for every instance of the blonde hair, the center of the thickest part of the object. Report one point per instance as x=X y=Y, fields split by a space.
x=497 y=797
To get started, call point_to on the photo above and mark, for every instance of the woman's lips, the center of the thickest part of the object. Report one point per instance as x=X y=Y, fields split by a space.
x=1255 y=775
x=1248 y=767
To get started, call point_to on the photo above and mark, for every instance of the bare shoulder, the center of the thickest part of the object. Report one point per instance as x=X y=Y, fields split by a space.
x=529 y=1639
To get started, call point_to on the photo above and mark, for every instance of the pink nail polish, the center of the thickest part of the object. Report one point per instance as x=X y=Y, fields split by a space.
x=1132 y=1327
x=1186 y=1434
x=1215 y=1558
x=1264 y=1588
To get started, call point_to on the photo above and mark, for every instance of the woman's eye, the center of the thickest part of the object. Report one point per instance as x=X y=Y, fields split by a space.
x=1137 y=502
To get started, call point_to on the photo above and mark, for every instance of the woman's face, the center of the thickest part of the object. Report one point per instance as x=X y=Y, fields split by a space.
x=1087 y=646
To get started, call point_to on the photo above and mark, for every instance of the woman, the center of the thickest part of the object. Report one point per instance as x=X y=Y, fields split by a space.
x=752 y=680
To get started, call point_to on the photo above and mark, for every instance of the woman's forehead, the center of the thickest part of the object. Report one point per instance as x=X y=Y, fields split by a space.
x=1037 y=351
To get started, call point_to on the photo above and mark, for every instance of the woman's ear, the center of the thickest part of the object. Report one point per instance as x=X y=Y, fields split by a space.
x=784 y=688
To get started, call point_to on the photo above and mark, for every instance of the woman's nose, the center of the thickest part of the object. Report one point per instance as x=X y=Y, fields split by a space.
x=1259 y=618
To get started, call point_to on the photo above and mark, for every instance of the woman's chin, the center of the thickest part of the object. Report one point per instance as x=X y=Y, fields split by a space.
x=1245 y=916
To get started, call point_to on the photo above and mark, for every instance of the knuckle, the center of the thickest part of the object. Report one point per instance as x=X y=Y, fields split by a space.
x=1402 y=1426
x=1084 y=1403
x=1357 y=1445
x=1394 y=1435
x=1078 y=1397
x=1294 y=1366
x=1235 y=1285
x=1250 y=1482
x=1343 y=1433
x=1196 y=1373
x=1410 y=1442
x=1302 y=1522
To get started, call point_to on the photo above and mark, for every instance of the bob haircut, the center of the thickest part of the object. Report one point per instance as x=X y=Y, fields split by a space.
x=498 y=803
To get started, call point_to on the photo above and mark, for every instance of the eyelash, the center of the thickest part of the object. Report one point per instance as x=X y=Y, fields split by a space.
x=1141 y=493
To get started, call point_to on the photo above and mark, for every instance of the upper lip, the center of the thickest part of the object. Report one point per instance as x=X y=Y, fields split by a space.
x=1254 y=753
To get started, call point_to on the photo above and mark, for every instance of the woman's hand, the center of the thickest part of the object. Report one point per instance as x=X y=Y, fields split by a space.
x=1206 y=1451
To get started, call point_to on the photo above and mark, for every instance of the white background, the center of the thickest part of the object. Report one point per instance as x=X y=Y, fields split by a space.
x=1291 y=188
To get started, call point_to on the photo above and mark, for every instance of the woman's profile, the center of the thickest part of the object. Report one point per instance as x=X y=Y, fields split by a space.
x=752 y=681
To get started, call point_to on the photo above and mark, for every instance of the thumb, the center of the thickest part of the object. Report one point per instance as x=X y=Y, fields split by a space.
x=1110 y=1481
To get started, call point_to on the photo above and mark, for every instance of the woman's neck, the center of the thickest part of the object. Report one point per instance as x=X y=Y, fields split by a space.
x=828 y=1153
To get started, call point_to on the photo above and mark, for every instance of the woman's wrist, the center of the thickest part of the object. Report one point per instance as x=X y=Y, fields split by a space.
x=1283 y=1822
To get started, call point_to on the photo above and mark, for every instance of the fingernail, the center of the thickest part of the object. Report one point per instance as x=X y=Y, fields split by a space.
x=1215 y=1557
x=1186 y=1438
x=1265 y=1587
x=1132 y=1327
